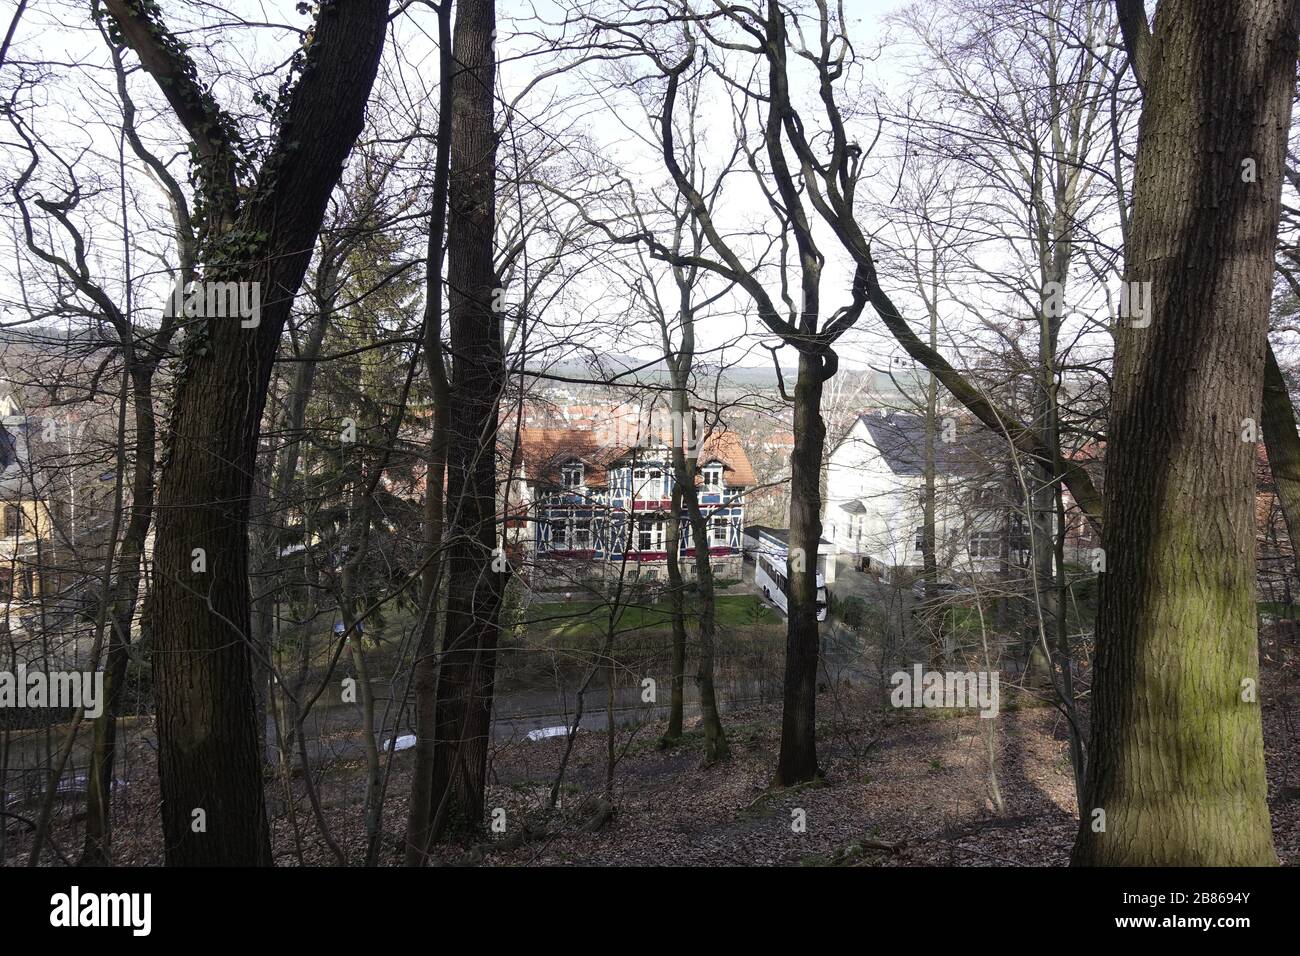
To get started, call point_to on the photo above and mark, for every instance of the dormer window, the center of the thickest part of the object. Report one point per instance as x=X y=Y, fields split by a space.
x=712 y=477
x=571 y=476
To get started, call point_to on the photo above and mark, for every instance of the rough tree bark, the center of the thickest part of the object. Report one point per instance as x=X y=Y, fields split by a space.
x=797 y=760
x=425 y=678
x=208 y=748
x=715 y=739
x=1177 y=755
x=465 y=684
x=677 y=599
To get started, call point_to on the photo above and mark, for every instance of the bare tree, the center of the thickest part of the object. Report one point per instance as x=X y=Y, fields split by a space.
x=209 y=757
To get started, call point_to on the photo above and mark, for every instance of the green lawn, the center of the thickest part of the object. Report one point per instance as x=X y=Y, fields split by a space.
x=590 y=618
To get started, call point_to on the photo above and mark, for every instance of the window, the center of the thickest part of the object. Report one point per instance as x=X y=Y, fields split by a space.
x=718 y=532
x=648 y=482
x=13 y=519
x=778 y=577
x=985 y=544
x=559 y=534
x=650 y=534
x=582 y=534
x=712 y=477
x=920 y=539
x=1019 y=533
x=571 y=476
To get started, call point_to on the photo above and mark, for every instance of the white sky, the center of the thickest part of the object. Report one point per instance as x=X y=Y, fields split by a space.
x=79 y=113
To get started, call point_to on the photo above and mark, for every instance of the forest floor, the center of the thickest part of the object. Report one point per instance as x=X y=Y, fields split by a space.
x=901 y=788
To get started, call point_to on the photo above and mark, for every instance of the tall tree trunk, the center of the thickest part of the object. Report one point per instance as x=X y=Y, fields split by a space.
x=680 y=363
x=1043 y=480
x=929 y=532
x=465 y=685
x=797 y=761
x=425 y=667
x=677 y=599
x=1177 y=756
x=715 y=741
x=209 y=758
x=126 y=595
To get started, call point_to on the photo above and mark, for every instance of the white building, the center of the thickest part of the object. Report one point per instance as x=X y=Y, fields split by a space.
x=874 y=498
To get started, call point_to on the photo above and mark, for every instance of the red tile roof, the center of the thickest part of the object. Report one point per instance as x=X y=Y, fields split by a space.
x=544 y=451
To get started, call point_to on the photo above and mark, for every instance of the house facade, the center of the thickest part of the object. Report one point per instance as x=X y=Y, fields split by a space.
x=584 y=510
x=874 y=509
x=25 y=520
x=875 y=483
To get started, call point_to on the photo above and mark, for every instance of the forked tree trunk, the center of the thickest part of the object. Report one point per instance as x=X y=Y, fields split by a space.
x=929 y=530
x=209 y=756
x=1177 y=762
x=465 y=684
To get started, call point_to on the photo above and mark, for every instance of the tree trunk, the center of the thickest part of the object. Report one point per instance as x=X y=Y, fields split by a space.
x=677 y=598
x=425 y=667
x=1177 y=755
x=931 y=615
x=797 y=762
x=209 y=758
x=464 y=699
x=715 y=740
x=129 y=573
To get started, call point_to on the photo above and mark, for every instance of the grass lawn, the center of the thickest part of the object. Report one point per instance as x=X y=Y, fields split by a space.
x=590 y=618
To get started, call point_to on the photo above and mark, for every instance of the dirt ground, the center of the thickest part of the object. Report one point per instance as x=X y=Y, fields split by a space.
x=902 y=788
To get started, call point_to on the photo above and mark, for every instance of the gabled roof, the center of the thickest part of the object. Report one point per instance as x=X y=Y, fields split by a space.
x=900 y=438
x=545 y=451
x=725 y=447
